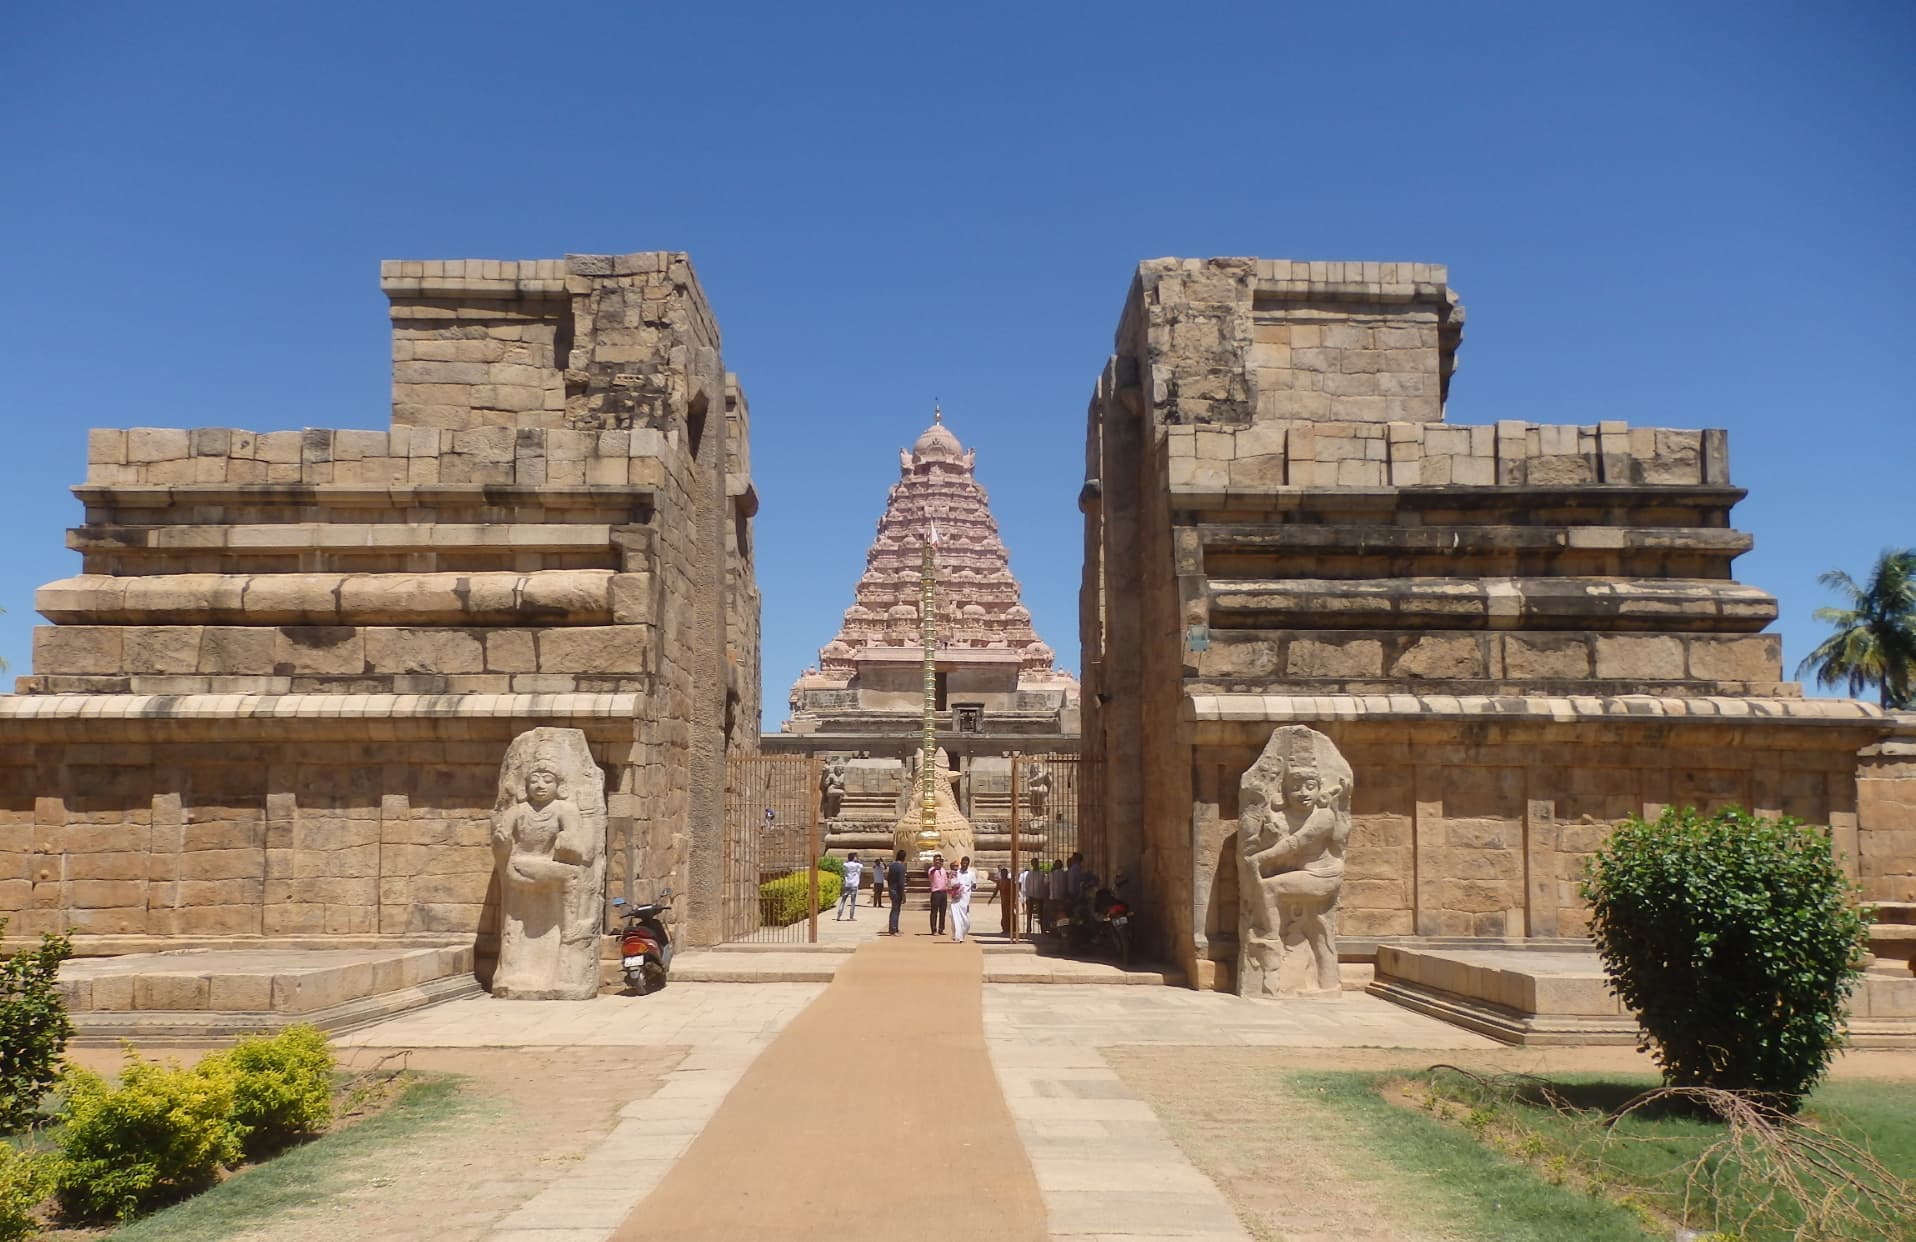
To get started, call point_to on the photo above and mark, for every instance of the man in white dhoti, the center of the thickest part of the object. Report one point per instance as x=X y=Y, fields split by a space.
x=958 y=896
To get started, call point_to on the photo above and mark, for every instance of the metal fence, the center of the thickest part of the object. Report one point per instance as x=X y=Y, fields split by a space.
x=771 y=848
x=1056 y=810
x=774 y=836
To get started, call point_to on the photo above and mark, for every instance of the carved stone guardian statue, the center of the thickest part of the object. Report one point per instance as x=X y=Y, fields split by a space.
x=1293 y=821
x=548 y=835
x=1038 y=790
x=831 y=789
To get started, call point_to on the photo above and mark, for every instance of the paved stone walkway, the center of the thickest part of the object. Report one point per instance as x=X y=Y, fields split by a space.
x=725 y=1026
x=914 y=1013
x=1106 y=1166
x=882 y=1085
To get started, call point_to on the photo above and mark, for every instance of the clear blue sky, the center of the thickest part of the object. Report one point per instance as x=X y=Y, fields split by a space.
x=1680 y=215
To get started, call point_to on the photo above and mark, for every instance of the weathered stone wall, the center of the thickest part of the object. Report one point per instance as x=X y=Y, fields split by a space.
x=555 y=457
x=478 y=342
x=1517 y=633
x=1474 y=818
x=1886 y=804
x=744 y=684
x=558 y=524
x=297 y=816
x=587 y=342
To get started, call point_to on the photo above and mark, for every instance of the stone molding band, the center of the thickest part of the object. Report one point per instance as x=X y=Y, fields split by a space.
x=313 y=706
x=1306 y=708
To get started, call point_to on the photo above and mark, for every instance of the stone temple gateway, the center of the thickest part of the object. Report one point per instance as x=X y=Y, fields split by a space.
x=1516 y=634
x=276 y=709
x=271 y=708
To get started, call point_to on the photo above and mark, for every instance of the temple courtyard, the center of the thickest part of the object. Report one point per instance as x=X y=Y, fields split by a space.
x=905 y=1094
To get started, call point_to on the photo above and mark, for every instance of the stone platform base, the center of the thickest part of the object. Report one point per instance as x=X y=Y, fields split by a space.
x=1558 y=996
x=803 y=963
x=204 y=994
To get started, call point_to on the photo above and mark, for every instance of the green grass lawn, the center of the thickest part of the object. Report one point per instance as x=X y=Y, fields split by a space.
x=1460 y=1182
x=299 y=1175
x=1663 y=1166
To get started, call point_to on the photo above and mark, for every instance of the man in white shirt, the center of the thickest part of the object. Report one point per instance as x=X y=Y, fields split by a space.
x=1031 y=887
x=848 y=893
x=958 y=897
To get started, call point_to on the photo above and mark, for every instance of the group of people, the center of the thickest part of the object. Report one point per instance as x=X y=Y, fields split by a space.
x=1045 y=894
x=887 y=878
x=951 y=889
x=1052 y=893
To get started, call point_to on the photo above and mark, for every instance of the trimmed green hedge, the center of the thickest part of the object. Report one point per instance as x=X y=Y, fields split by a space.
x=163 y=1133
x=282 y=1086
x=25 y=1179
x=783 y=901
x=164 y=1130
x=1735 y=939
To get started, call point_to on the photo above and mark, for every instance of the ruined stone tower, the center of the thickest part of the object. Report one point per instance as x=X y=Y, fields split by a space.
x=1517 y=633
x=273 y=702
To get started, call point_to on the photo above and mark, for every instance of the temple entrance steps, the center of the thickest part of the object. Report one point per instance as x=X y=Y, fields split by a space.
x=196 y=995
x=1005 y=961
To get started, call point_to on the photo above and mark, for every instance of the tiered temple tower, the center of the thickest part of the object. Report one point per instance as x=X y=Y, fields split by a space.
x=994 y=675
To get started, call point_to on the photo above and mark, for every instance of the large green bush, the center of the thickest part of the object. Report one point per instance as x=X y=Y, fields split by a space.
x=25 y=1179
x=783 y=901
x=832 y=863
x=282 y=1086
x=161 y=1134
x=34 y=1028
x=1736 y=940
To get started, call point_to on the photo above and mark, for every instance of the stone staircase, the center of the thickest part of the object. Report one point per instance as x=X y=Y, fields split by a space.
x=1892 y=936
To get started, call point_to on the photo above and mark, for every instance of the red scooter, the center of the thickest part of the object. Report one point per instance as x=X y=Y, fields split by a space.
x=645 y=946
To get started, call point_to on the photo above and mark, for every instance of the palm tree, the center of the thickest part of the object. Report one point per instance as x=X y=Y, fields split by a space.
x=1875 y=639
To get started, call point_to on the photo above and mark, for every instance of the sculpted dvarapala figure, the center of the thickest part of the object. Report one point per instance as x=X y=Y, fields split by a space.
x=1293 y=823
x=548 y=834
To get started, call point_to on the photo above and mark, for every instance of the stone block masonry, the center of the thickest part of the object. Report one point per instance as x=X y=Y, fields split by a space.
x=273 y=702
x=1518 y=633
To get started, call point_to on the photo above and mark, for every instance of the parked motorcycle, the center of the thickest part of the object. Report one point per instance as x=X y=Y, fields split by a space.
x=1100 y=921
x=1113 y=914
x=646 y=947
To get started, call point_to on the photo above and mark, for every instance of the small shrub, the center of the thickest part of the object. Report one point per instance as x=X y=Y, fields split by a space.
x=25 y=1179
x=160 y=1135
x=783 y=901
x=34 y=1028
x=834 y=864
x=282 y=1087
x=1736 y=941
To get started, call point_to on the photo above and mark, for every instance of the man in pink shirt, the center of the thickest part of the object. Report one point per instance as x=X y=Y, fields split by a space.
x=940 y=882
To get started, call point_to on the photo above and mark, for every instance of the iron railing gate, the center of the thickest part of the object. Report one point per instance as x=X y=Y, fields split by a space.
x=772 y=843
x=1056 y=810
